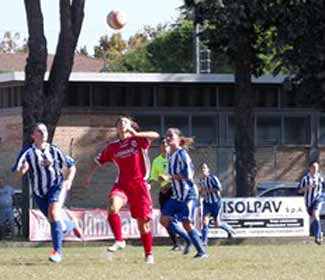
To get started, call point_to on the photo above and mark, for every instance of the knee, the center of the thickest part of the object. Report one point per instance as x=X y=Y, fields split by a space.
x=188 y=226
x=164 y=221
x=115 y=204
x=54 y=214
x=205 y=221
x=143 y=226
x=315 y=216
x=112 y=209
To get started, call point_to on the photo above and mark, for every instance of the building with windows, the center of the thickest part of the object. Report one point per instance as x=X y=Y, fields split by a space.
x=287 y=135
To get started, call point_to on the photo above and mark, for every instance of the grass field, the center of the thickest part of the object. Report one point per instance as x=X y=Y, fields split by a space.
x=300 y=261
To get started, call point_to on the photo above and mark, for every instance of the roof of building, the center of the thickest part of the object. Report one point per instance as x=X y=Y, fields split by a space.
x=16 y=62
x=150 y=78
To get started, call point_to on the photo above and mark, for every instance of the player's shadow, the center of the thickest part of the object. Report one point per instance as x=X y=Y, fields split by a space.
x=27 y=263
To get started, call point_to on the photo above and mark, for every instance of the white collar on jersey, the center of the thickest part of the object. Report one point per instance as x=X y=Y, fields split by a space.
x=46 y=146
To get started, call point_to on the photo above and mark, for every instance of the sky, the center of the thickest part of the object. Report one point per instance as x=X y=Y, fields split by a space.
x=138 y=14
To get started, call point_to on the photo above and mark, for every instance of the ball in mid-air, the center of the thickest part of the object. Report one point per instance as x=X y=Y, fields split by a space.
x=116 y=19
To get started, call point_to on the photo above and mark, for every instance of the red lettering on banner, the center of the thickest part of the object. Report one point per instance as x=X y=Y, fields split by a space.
x=93 y=223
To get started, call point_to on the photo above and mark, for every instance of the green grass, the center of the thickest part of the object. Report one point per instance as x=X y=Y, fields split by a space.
x=301 y=261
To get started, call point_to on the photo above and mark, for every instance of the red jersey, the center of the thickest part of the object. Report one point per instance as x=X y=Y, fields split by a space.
x=130 y=157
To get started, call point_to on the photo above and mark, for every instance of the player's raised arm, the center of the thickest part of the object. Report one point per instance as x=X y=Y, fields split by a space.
x=150 y=135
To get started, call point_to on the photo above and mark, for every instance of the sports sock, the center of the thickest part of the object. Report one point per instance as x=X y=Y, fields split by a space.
x=175 y=228
x=172 y=237
x=146 y=239
x=56 y=232
x=226 y=227
x=205 y=231
x=196 y=241
x=317 y=229
x=116 y=226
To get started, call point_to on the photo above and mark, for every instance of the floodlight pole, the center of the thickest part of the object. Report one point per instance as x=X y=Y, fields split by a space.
x=196 y=37
x=196 y=49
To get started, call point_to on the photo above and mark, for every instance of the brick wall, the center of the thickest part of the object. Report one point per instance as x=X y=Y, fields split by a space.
x=84 y=135
x=11 y=140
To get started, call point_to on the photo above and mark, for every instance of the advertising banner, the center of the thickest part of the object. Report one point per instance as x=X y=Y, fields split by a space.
x=250 y=217
x=264 y=217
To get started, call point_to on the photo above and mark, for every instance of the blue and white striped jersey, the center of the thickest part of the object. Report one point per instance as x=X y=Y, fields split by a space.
x=180 y=163
x=45 y=167
x=211 y=182
x=312 y=195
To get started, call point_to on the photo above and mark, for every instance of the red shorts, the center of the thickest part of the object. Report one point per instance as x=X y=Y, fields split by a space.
x=137 y=196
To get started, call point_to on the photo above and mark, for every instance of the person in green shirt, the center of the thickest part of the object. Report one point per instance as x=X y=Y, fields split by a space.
x=159 y=177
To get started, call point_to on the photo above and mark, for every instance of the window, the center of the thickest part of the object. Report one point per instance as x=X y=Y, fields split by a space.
x=149 y=122
x=268 y=130
x=297 y=130
x=167 y=96
x=101 y=96
x=227 y=96
x=186 y=96
x=266 y=96
x=322 y=130
x=180 y=122
x=230 y=130
x=204 y=129
x=78 y=95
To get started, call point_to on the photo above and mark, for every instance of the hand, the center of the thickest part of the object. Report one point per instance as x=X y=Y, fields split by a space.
x=67 y=184
x=132 y=130
x=164 y=177
x=24 y=168
x=309 y=187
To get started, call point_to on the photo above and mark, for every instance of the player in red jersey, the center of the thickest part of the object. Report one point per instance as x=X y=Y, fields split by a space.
x=129 y=153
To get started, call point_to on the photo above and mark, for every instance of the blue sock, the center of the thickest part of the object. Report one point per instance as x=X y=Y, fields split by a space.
x=69 y=226
x=196 y=241
x=226 y=227
x=56 y=232
x=317 y=229
x=312 y=228
x=205 y=231
x=175 y=228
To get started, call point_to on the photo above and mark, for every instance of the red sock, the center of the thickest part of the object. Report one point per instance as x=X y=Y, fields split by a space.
x=114 y=221
x=146 y=239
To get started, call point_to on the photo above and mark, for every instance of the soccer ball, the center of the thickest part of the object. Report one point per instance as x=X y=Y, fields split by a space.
x=116 y=19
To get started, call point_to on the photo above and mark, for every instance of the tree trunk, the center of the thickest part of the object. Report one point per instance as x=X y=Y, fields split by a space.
x=33 y=99
x=40 y=104
x=244 y=129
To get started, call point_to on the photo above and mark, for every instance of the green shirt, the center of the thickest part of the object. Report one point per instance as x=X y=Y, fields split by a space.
x=159 y=167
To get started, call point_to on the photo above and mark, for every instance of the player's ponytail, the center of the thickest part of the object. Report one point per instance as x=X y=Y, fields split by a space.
x=185 y=142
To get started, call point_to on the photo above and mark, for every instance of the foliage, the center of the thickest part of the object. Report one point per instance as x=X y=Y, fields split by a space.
x=300 y=47
x=171 y=51
x=83 y=51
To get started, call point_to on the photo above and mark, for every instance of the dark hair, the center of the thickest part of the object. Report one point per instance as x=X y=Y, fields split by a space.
x=162 y=139
x=312 y=163
x=185 y=142
x=203 y=163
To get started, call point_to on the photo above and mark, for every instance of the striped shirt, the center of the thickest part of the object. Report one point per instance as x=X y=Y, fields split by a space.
x=211 y=182
x=45 y=167
x=180 y=163
x=315 y=193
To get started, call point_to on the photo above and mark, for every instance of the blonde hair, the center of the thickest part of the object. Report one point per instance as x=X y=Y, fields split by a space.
x=185 y=142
